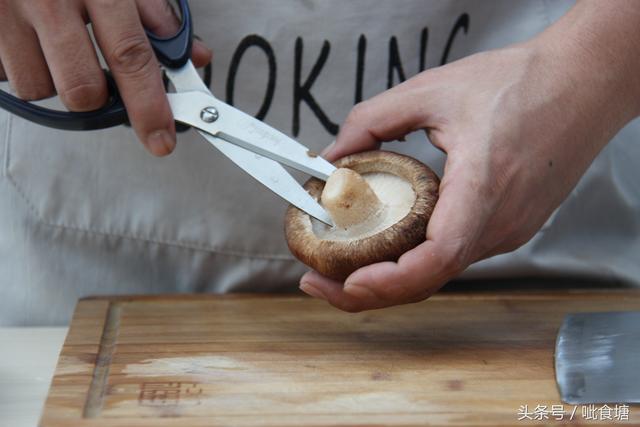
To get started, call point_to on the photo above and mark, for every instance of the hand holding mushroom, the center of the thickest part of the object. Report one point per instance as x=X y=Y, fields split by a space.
x=380 y=203
x=519 y=126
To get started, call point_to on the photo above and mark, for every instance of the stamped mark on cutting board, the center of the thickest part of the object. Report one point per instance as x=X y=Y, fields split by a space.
x=169 y=393
x=177 y=393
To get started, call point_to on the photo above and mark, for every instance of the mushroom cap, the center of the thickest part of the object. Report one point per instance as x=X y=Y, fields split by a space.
x=338 y=259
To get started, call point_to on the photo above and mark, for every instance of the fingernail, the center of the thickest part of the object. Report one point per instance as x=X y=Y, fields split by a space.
x=311 y=290
x=327 y=149
x=356 y=290
x=161 y=142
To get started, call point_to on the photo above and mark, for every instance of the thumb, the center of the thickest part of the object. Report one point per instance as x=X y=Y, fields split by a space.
x=386 y=117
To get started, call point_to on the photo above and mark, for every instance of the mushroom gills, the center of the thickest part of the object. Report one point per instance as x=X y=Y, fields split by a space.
x=362 y=209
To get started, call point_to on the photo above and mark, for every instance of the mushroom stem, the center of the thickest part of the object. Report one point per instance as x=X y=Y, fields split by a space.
x=349 y=198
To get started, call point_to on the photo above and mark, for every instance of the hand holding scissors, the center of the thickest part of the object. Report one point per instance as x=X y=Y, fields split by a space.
x=46 y=49
x=252 y=145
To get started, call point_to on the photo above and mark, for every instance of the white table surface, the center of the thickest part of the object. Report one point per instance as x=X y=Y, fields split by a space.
x=28 y=357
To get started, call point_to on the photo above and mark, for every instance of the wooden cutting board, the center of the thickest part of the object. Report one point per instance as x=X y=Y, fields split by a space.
x=456 y=359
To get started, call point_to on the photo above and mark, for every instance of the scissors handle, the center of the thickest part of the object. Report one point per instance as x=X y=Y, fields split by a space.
x=175 y=51
x=172 y=52
x=111 y=114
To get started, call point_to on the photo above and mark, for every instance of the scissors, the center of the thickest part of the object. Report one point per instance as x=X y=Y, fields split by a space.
x=254 y=146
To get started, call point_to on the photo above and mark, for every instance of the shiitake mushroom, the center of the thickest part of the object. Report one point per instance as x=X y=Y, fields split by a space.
x=380 y=202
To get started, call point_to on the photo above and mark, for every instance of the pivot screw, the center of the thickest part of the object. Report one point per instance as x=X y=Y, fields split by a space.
x=209 y=114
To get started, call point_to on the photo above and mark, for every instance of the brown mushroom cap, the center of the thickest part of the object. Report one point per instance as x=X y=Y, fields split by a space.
x=337 y=259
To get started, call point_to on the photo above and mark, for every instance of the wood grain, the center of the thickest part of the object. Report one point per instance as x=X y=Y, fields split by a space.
x=456 y=359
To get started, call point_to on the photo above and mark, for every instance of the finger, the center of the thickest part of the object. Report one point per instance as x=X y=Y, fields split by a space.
x=418 y=274
x=201 y=55
x=3 y=76
x=71 y=57
x=159 y=17
x=318 y=286
x=391 y=115
x=122 y=39
x=321 y=287
x=23 y=62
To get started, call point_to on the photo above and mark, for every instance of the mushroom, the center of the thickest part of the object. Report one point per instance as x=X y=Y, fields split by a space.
x=380 y=203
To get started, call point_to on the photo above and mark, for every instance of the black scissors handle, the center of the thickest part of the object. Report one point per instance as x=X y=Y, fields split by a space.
x=172 y=52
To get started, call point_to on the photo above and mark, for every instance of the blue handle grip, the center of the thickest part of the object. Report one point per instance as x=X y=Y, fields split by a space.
x=112 y=114
x=172 y=52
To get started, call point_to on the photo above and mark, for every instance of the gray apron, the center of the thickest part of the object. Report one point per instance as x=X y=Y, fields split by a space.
x=85 y=213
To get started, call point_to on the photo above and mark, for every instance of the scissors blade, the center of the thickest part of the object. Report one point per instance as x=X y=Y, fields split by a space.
x=271 y=174
x=186 y=79
x=241 y=129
